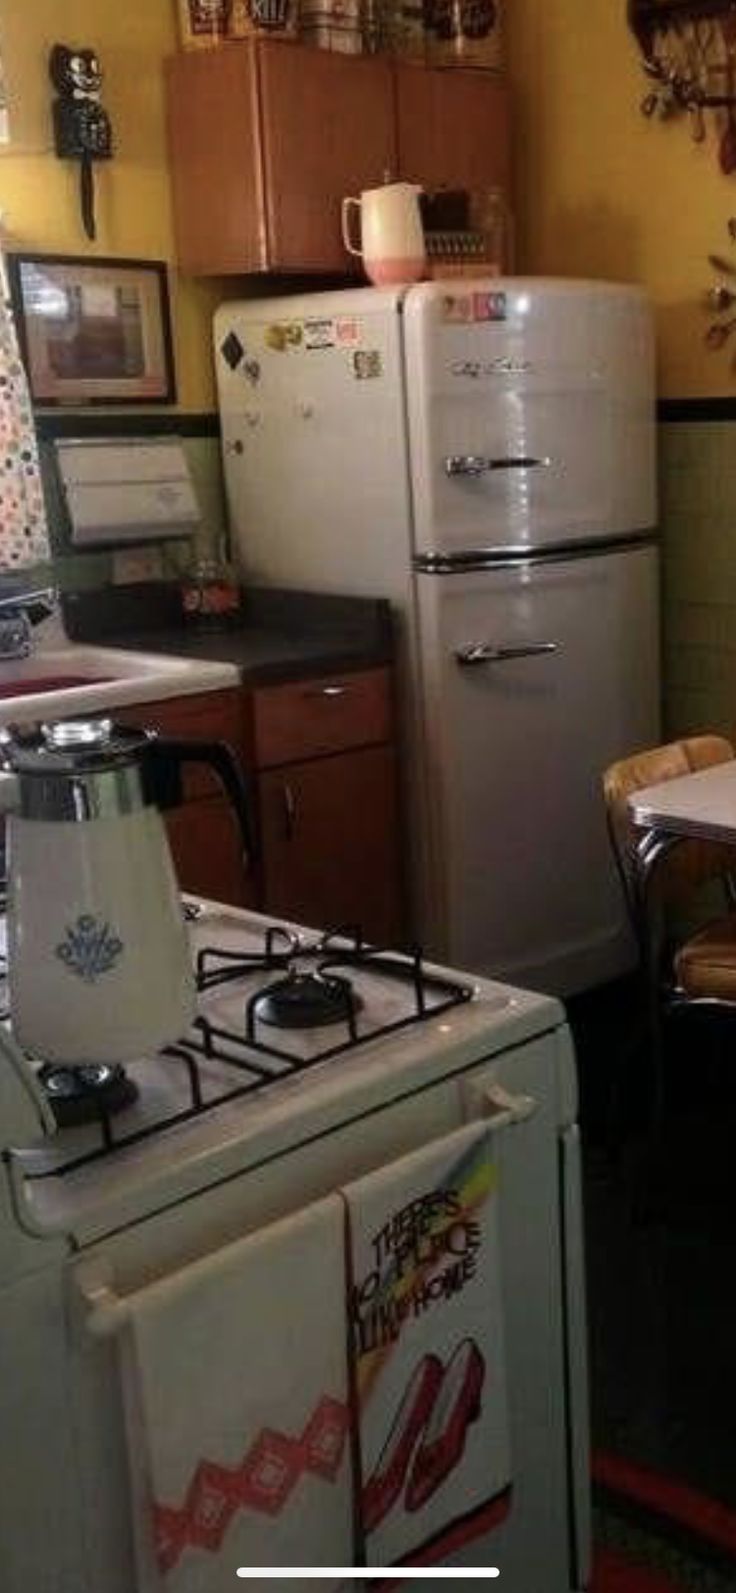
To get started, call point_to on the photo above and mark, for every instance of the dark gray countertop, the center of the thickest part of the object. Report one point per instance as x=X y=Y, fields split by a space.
x=279 y=635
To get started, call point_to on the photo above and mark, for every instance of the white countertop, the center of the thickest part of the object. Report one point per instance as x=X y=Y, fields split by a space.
x=99 y=678
x=702 y=805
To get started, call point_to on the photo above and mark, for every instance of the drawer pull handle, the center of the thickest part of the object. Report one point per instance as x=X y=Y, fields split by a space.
x=327 y=691
x=290 y=810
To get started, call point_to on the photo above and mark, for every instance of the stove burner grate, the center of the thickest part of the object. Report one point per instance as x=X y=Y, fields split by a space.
x=250 y=1057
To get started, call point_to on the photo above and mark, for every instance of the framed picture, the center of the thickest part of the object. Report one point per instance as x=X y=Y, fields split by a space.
x=93 y=331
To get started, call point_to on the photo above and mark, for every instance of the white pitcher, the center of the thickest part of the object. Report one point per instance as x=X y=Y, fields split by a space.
x=392 y=238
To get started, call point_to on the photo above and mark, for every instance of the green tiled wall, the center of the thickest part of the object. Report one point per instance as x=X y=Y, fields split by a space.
x=698 y=520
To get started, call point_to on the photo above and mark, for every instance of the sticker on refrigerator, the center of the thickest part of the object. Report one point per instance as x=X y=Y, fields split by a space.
x=457 y=309
x=319 y=334
x=347 y=331
x=367 y=364
x=283 y=335
x=489 y=306
x=232 y=350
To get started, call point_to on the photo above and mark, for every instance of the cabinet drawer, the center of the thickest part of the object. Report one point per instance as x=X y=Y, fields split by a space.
x=206 y=716
x=309 y=718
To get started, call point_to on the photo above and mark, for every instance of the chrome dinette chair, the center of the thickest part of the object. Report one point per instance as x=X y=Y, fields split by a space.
x=661 y=876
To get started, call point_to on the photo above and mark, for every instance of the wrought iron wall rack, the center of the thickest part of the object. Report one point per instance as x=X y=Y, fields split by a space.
x=688 y=50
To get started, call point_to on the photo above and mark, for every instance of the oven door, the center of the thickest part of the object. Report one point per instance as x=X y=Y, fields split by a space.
x=543 y=1540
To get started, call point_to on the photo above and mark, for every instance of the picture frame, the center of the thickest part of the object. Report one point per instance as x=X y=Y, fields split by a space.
x=93 y=331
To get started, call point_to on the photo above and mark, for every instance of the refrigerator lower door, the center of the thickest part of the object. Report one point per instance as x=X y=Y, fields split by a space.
x=534 y=678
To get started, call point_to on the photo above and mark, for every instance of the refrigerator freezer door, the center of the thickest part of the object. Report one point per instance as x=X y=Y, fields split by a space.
x=519 y=880
x=313 y=436
x=531 y=413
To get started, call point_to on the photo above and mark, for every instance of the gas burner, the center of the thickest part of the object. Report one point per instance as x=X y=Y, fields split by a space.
x=307 y=1000
x=86 y=1094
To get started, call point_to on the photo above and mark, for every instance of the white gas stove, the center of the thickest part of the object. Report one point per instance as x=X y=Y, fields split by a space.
x=248 y=1076
x=312 y=1061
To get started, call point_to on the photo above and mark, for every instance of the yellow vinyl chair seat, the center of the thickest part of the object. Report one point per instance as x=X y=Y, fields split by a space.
x=705 y=966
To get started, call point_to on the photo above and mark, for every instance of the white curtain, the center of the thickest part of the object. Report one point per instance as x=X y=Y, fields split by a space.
x=24 y=539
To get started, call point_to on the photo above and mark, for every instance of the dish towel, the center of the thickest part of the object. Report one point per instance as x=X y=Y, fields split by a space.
x=428 y=1350
x=24 y=540
x=235 y=1383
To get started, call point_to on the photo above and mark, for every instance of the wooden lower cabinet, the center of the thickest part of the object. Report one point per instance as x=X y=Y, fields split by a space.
x=329 y=839
x=204 y=836
x=320 y=766
x=206 y=848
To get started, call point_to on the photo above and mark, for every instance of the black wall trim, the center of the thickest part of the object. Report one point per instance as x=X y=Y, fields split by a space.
x=696 y=409
x=82 y=423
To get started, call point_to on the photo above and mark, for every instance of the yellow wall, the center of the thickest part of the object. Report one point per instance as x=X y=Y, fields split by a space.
x=599 y=190
x=40 y=193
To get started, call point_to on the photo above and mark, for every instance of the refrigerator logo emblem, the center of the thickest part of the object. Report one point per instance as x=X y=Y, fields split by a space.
x=504 y=365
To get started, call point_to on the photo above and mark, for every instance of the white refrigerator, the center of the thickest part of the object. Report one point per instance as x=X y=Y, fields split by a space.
x=482 y=453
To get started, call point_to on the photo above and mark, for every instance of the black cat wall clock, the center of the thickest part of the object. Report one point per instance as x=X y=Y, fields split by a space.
x=82 y=129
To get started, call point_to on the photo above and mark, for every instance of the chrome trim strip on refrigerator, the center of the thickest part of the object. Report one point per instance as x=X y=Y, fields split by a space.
x=465 y=560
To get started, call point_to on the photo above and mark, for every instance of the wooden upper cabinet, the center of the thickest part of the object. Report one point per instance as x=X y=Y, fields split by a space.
x=266 y=138
x=452 y=127
x=217 y=180
x=327 y=132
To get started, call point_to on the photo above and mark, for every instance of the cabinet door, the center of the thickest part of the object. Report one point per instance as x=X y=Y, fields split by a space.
x=329 y=842
x=452 y=127
x=214 y=143
x=328 y=131
x=203 y=833
x=206 y=848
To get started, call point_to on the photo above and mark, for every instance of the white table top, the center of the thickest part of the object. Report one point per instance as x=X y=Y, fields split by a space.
x=702 y=805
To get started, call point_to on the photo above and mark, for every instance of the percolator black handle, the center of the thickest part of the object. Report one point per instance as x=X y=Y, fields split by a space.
x=164 y=759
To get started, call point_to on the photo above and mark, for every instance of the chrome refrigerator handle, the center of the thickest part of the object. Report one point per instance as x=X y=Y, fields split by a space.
x=477 y=465
x=485 y=652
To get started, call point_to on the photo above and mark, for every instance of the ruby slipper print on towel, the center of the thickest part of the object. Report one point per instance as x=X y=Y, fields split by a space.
x=428 y=1352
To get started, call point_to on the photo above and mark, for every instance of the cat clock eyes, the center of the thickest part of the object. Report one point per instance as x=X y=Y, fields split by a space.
x=82 y=128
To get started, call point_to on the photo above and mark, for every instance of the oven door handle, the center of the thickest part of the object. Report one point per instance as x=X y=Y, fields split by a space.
x=99 y=1313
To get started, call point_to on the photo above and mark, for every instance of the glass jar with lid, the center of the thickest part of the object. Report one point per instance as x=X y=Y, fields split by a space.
x=210 y=592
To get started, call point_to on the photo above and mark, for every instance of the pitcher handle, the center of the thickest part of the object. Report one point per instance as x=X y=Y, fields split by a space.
x=349 y=245
x=164 y=758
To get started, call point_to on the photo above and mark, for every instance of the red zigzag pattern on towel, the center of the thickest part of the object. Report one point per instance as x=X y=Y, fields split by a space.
x=264 y=1481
